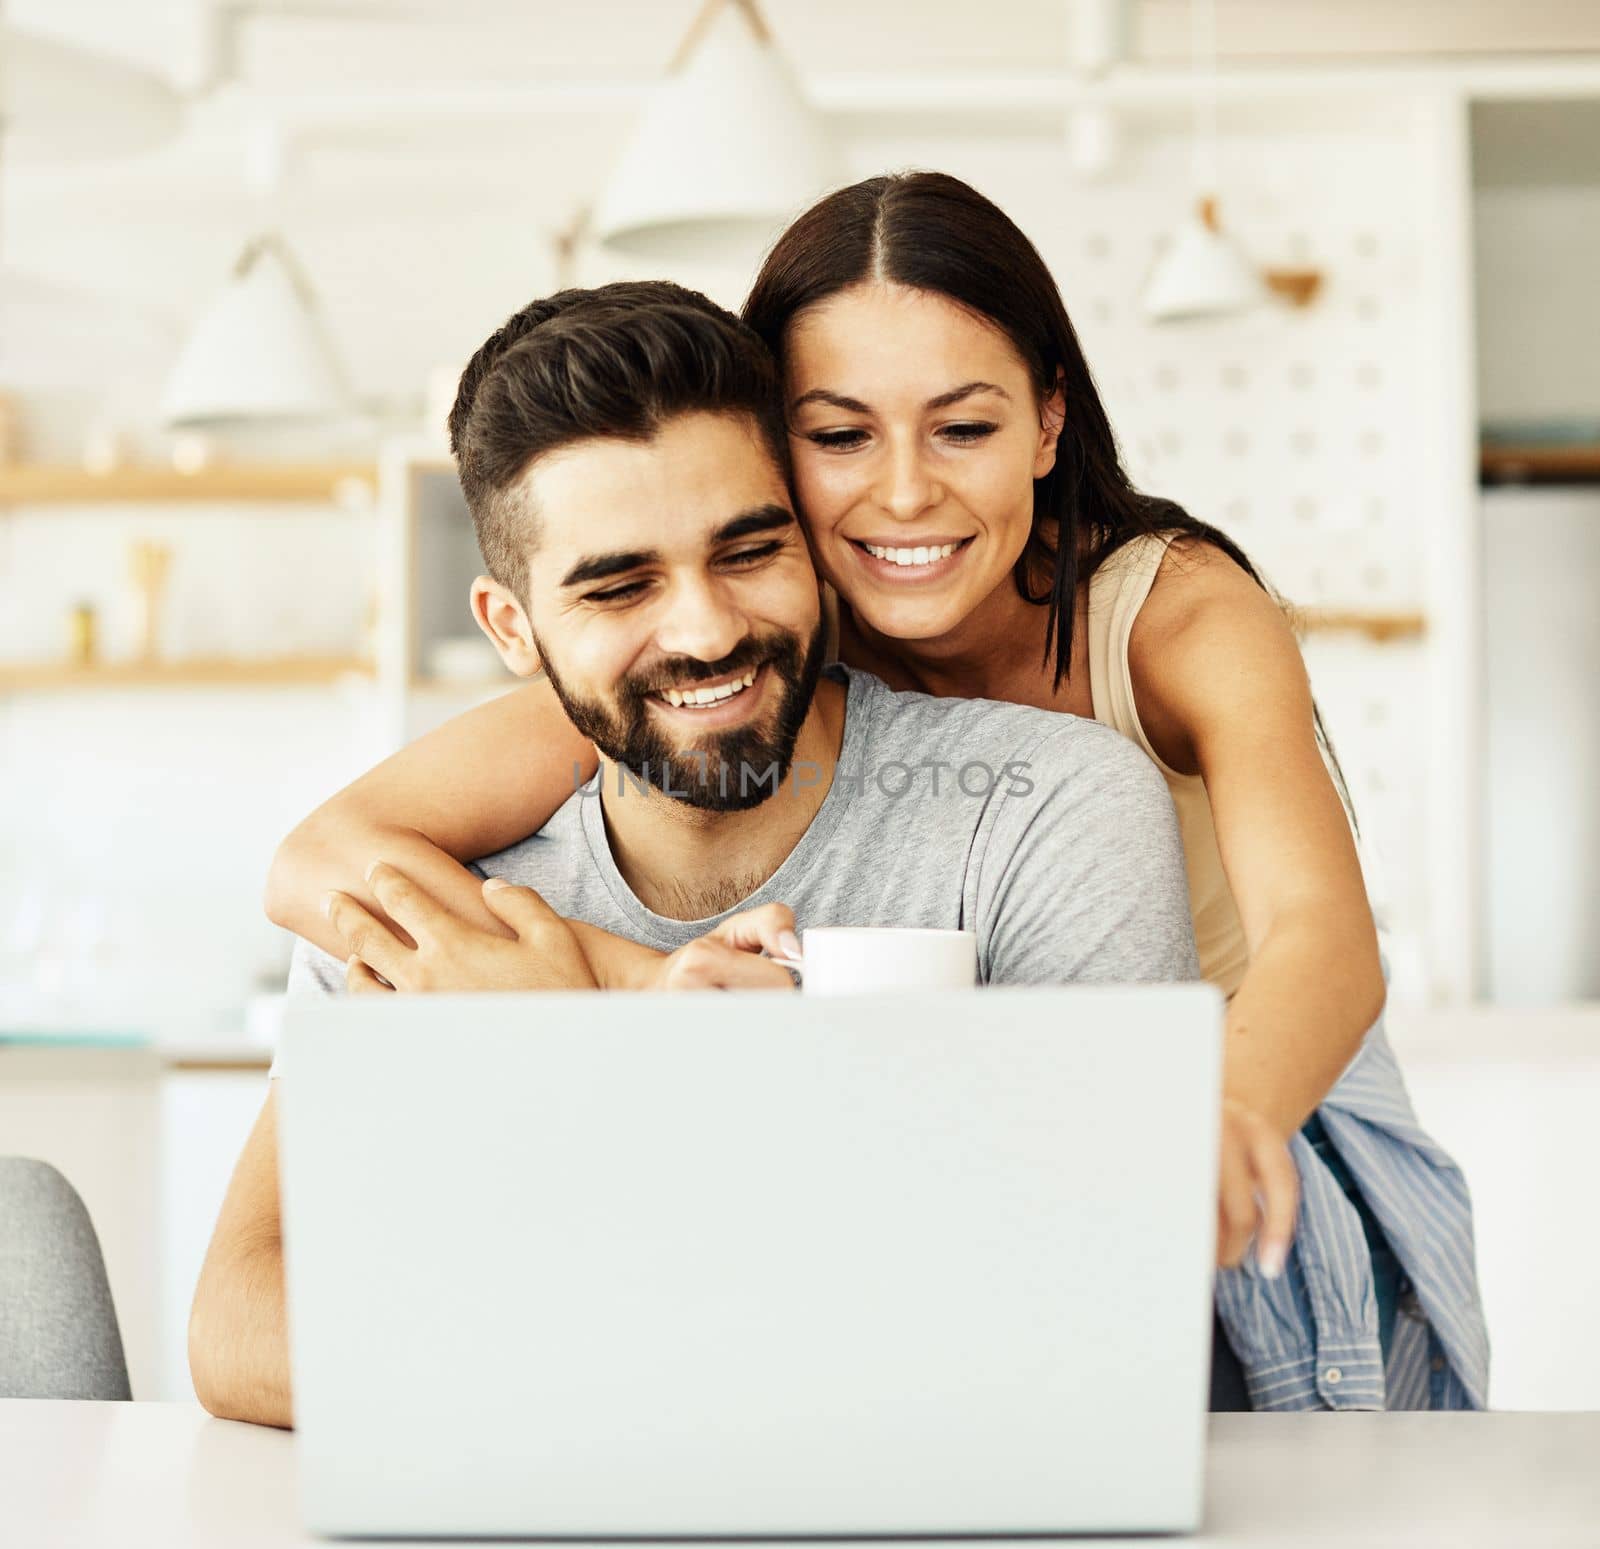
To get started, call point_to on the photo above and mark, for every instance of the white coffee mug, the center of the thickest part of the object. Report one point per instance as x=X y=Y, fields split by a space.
x=860 y=960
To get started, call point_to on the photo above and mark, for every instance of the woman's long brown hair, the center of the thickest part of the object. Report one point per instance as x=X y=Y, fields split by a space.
x=932 y=232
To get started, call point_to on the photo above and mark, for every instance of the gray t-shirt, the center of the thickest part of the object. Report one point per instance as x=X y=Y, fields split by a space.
x=1050 y=836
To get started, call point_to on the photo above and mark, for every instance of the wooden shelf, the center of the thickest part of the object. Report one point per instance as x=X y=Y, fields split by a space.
x=44 y=484
x=1380 y=628
x=195 y=672
x=1539 y=464
x=243 y=1065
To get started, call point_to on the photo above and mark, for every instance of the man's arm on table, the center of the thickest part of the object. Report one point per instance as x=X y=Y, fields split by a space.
x=1082 y=879
x=238 y=1330
x=238 y=1325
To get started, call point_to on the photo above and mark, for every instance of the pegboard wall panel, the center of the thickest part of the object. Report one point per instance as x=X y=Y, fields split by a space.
x=1369 y=698
x=1286 y=427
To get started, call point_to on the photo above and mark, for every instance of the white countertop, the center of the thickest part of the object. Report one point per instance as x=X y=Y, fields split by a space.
x=97 y=1475
x=1475 y=1032
x=179 y=1033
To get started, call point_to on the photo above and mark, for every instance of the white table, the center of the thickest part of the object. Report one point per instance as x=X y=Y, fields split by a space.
x=93 y=1476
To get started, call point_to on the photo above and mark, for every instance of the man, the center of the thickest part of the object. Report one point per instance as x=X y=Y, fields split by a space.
x=624 y=456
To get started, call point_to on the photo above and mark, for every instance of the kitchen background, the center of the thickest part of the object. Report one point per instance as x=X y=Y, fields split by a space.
x=210 y=619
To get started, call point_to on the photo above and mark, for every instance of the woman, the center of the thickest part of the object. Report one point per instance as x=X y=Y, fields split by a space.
x=963 y=496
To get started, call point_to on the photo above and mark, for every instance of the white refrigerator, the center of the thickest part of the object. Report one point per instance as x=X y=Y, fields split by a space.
x=1542 y=792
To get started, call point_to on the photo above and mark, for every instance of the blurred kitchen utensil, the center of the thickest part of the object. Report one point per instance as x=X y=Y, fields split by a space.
x=150 y=565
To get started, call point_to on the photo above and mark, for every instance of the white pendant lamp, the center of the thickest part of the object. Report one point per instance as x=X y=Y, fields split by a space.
x=1202 y=274
x=725 y=150
x=260 y=353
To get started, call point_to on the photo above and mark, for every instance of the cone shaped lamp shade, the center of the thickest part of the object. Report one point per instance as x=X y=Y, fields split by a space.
x=259 y=353
x=725 y=150
x=1202 y=275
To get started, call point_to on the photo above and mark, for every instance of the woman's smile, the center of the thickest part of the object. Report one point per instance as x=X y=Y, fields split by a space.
x=897 y=562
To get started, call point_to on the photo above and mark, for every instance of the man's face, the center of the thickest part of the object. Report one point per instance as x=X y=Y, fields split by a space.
x=674 y=570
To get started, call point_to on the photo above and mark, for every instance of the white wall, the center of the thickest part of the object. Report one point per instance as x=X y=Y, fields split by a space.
x=136 y=831
x=137 y=825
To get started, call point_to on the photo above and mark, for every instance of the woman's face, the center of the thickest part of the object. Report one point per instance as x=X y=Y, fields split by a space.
x=917 y=435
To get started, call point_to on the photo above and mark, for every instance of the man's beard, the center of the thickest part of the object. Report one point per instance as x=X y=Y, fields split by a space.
x=726 y=771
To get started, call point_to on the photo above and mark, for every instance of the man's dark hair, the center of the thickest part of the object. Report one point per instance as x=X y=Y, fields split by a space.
x=617 y=362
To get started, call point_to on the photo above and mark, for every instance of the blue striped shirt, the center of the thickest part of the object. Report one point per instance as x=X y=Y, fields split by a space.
x=1309 y=1339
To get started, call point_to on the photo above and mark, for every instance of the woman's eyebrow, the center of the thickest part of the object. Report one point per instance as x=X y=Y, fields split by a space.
x=855 y=405
x=966 y=390
x=837 y=400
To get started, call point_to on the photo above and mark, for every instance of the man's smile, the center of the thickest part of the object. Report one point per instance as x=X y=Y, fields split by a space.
x=723 y=703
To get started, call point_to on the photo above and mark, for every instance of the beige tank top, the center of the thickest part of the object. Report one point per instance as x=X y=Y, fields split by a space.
x=1117 y=591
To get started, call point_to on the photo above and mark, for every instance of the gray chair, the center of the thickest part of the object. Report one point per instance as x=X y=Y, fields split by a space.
x=58 y=1328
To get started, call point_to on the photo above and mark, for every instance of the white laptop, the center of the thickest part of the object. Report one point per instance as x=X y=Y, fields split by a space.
x=751 y=1265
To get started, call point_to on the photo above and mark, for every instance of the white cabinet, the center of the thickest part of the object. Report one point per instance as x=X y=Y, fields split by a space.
x=150 y=1150
x=1512 y=1096
x=433 y=660
x=94 y=1115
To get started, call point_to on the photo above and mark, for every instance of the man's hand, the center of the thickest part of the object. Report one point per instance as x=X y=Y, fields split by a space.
x=728 y=957
x=1258 y=1182
x=541 y=954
